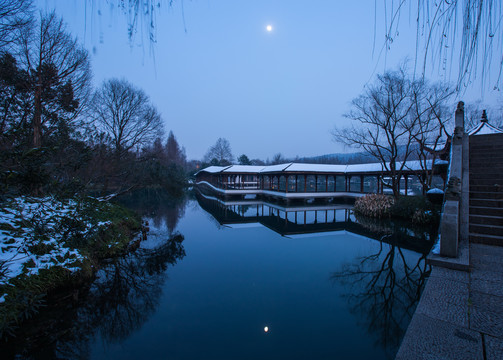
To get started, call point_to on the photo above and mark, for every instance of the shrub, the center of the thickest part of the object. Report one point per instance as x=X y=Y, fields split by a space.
x=416 y=209
x=375 y=205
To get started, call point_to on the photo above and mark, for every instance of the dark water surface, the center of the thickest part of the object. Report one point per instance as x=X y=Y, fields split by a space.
x=202 y=288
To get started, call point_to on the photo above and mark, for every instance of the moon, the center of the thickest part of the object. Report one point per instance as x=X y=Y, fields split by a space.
x=268 y=28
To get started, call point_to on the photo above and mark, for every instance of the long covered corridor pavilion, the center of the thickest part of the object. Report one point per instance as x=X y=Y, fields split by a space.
x=299 y=180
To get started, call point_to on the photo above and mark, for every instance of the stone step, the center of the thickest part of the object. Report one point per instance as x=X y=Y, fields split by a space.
x=482 y=153
x=488 y=156
x=486 y=229
x=483 y=165
x=483 y=176
x=486 y=239
x=486 y=220
x=485 y=160
x=486 y=182
x=486 y=195
x=480 y=166
x=494 y=203
x=495 y=140
x=489 y=147
x=484 y=210
x=487 y=188
x=487 y=175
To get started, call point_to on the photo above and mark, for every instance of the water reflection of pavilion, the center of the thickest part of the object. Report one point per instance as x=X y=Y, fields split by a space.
x=293 y=221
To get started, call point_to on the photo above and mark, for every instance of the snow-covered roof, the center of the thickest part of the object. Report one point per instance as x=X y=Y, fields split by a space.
x=484 y=128
x=371 y=167
x=213 y=169
x=417 y=165
x=276 y=168
x=243 y=169
x=319 y=168
x=440 y=145
x=412 y=165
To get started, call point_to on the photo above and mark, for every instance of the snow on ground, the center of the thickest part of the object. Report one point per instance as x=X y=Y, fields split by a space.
x=441 y=162
x=32 y=236
x=436 y=248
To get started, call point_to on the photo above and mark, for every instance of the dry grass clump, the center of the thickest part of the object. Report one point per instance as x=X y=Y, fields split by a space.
x=375 y=205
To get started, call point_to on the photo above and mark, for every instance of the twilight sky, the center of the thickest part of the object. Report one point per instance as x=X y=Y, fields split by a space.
x=227 y=76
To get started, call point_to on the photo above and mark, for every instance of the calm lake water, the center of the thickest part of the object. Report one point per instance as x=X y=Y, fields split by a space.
x=212 y=276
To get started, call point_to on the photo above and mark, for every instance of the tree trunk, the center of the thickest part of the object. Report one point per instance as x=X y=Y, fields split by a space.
x=395 y=182
x=37 y=117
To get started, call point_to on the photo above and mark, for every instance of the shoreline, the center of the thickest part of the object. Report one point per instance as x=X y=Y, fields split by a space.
x=50 y=245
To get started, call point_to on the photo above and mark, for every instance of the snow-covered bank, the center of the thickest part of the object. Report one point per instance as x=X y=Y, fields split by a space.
x=39 y=235
x=26 y=226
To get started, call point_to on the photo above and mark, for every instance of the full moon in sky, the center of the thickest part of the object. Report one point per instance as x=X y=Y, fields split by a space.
x=268 y=28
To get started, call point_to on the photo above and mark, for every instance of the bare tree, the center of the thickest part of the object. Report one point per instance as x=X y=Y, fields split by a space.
x=430 y=128
x=257 y=162
x=221 y=152
x=60 y=74
x=278 y=159
x=125 y=113
x=466 y=31
x=391 y=116
x=383 y=114
x=14 y=15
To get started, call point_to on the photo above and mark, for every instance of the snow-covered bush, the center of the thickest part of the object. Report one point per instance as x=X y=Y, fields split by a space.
x=375 y=205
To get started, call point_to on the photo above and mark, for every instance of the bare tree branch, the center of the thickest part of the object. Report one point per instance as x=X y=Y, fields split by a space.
x=125 y=113
x=221 y=152
x=392 y=118
x=60 y=74
x=468 y=33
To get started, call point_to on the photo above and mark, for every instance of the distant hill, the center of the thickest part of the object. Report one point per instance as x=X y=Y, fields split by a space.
x=348 y=158
x=339 y=158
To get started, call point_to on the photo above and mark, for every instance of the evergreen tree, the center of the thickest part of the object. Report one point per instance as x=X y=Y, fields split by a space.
x=244 y=160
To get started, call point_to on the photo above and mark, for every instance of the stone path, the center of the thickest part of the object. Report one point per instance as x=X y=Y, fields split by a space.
x=460 y=314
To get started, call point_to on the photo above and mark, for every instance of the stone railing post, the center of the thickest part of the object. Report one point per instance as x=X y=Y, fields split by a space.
x=450 y=222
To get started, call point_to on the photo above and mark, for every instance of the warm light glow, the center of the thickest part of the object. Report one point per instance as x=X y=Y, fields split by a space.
x=266 y=329
x=268 y=28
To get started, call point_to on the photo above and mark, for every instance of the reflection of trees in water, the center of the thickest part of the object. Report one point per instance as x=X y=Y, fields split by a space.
x=160 y=206
x=418 y=238
x=124 y=295
x=387 y=227
x=243 y=209
x=131 y=287
x=384 y=289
